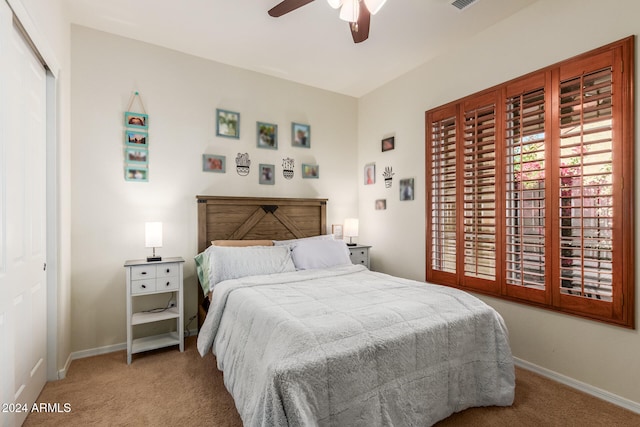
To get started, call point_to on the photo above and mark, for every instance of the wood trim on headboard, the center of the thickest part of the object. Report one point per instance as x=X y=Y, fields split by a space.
x=257 y=218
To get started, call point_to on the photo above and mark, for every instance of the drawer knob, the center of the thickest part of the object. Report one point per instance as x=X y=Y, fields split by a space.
x=168 y=270
x=168 y=283
x=143 y=273
x=144 y=286
x=362 y=253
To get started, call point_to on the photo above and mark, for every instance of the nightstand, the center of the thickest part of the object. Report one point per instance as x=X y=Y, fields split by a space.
x=147 y=278
x=359 y=254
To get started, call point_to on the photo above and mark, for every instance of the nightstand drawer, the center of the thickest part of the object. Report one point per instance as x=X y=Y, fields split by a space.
x=167 y=284
x=143 y=272
x=359 y=257
x=143 y=286
x=167 y=270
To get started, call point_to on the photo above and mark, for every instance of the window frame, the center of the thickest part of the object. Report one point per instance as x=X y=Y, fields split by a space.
x=619 y=56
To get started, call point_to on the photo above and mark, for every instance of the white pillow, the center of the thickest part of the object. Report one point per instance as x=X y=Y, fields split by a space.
x=304 y=239
x=227 y=262
x=309 y=254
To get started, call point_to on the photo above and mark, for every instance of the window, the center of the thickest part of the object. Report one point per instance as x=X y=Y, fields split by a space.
x=530 y=188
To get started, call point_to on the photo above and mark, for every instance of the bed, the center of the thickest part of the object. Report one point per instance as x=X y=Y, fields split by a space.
x=305 y=338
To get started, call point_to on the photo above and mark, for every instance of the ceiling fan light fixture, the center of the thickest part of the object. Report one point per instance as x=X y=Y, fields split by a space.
x=350 y=10
x=335 y=3
x=374 y=6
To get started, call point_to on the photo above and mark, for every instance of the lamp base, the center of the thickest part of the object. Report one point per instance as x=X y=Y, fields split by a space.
x=154 y=258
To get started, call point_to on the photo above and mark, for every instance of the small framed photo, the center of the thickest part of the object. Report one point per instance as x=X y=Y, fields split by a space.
x=136 y=138
x=136 y=173
x=267 y=174
x=381 y=204
x=388 y=143
x=214 y=163
x=139 y=156
x=136 y=120
x=300 y=135
x=267 y=135
x=369 y=173
x=406 y=189
x=336 y=230
x=310 y=171
x=227 y=123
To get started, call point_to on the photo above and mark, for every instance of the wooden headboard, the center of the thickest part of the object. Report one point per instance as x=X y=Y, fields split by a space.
x=257 y=218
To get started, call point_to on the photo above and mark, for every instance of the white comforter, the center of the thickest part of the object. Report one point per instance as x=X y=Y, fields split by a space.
x=350 y=347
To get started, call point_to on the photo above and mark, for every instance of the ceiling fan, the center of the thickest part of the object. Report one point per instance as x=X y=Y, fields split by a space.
x=356 y=12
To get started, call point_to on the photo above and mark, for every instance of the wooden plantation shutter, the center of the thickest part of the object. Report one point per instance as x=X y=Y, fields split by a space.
x=530 y=188
x=480 y=196
x=527 y=222
x=442 y=134
x=589 y=248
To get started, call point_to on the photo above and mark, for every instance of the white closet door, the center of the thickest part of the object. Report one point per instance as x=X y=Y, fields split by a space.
x=23 y=286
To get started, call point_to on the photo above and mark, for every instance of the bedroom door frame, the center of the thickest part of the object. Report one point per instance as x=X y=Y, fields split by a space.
x=42 y=50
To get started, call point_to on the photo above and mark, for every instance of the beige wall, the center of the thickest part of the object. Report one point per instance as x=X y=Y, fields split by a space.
x=602 y=356
x=180 y=93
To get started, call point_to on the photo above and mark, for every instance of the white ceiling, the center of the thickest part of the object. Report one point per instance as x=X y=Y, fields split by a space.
x=309 y=45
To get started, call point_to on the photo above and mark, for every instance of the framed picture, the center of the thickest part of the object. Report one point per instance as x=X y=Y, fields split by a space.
x=136 y=173
x=336 y=230
x=267 y=135
x=136 y=138
x=267 y=174
x=300 y=135
x=213 y=163
x=389 y=143
x=137 y=155
x=136 y=120
x=369 y=173
x=381 y=204
x=406 y=189
x=227 y=123
x=310 y=171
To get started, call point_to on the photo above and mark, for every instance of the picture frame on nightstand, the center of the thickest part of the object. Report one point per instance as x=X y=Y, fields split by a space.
x=336 y=230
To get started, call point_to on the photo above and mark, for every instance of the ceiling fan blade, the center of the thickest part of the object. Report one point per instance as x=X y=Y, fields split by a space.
x=360 y=32
x=287 y=6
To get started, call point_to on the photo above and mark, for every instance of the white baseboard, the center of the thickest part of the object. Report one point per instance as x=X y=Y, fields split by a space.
x=579 y=385
x=109 y=349
x=62 y=373
x=97 y=351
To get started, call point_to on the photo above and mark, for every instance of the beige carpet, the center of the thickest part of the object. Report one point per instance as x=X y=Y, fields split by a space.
x=169 y=388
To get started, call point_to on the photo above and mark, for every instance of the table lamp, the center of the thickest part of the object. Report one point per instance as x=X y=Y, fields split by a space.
x=153 y=238
x=351 y=229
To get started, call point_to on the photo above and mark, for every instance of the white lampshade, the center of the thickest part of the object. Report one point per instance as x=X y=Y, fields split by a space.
x=350 y=227
x=350 y=10
x=374 y=5
x=334 y=3
x=153 y=234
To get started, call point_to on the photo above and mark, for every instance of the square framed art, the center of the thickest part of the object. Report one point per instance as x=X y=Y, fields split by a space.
x=267 y=174
x=310 y=171
x=227 y=123
x=214 y=163
x=300 y=135
x=267 y=135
